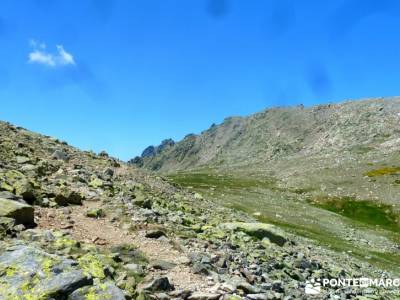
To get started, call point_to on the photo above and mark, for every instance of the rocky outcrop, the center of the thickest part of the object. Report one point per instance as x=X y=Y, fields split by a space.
x=152 y=151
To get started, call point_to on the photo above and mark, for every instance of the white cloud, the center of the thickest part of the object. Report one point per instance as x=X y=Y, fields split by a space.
x=64 y=57
x=39 y=55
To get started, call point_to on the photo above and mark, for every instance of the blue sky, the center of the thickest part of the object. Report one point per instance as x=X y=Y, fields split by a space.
x=121 y=75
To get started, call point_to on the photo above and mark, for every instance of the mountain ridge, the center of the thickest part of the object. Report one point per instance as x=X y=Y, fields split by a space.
x=278 y=132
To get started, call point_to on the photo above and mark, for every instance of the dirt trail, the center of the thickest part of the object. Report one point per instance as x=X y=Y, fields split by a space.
x=104 y=233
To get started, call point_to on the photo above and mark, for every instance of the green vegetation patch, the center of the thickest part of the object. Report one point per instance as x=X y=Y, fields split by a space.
x=383 y=171
x=367 y=212
x=207 y=180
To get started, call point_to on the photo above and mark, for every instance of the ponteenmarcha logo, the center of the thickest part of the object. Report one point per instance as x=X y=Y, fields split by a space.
x=313 y=287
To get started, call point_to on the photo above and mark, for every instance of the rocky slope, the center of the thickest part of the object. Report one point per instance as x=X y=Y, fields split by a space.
x=80 y=225
x=309 y=149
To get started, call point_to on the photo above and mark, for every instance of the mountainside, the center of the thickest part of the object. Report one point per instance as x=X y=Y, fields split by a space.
x=335 y=149
x=80 y=225
x=286 y=133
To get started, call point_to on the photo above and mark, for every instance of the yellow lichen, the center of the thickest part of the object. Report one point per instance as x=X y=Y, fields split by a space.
x=47 y=266
x=91 y=265
x=62 y=243
x=11 y=270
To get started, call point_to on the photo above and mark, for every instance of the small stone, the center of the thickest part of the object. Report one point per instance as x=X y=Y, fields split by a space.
x=22 y=160
x=181 y=294
x=66 y=210
x=60 y=155
x=103 y=154
x=248 y=288
x=199 y=268
x=155 y=234
x=258 y=296
x=162 y=265
x=204 y=296
x=108 y=172
x=19 y=227
x=158 y=284
x=135 y=269
x=95 y=213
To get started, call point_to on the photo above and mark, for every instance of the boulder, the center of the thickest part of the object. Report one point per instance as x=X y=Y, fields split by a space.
x=20 y=212
x=155 y=234
x=22 y=159
x=60 y=155
x=96 y=182
x=101 y=291
x=257 y=230
x=66 y=197
x=162 y=265
x=17 y=183
x=135 y=269
x=31 y=273
x=158 y=284
x=95 y=213
x=108 y=172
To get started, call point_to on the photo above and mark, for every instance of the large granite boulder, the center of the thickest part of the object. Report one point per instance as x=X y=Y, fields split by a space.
x=30 y=273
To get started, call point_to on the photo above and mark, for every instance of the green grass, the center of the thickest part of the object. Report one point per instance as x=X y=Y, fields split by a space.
x=366 y=212
x=383 y=171
x=221 y=181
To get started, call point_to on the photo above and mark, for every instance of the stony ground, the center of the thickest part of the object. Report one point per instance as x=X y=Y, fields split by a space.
x=106 y=234
x=80 y=225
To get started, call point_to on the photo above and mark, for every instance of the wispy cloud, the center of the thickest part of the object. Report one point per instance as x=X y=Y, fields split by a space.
x=40 y=55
